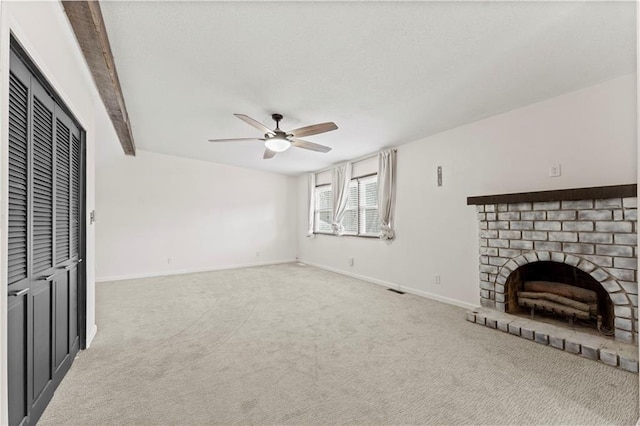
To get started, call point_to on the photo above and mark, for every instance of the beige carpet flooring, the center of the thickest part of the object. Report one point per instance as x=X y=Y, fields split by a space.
x=296 y=345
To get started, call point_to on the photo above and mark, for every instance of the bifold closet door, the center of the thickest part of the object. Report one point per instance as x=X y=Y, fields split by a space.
x=42 y=267
x=44 y=246
x=65 y=274
x=20 y=310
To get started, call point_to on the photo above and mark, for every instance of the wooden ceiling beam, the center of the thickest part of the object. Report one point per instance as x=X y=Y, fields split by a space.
x=87 y=23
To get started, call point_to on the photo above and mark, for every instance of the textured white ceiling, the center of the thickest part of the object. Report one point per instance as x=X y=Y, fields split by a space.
x=386 y=73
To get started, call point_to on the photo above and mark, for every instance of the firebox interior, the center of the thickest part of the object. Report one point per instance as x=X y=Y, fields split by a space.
x=559 y=273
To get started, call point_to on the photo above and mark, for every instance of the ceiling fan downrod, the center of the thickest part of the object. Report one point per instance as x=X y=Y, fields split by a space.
x=277 y=118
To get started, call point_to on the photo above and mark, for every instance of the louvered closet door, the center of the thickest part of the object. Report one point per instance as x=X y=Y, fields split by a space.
x=62 y=232
x=19 y=306
x=44 y=250
x=42 y=275
x=75 y=171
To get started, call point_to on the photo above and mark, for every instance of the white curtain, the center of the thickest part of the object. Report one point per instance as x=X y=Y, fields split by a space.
x=340 y=178
x=311 y=182
x=386 y=192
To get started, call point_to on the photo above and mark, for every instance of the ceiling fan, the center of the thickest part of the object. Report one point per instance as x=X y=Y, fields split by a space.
x=278 y=140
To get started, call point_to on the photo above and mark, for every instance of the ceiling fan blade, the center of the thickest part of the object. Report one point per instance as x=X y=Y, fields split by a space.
x=309 y=145
x=313 y=129
x=250 y=121
x=268 y=154
x=235 y=140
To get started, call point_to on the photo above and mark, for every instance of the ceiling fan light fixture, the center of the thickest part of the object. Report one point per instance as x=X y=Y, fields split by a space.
x=277 y=143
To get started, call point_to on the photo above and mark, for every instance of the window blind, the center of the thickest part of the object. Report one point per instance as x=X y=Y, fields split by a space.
x=324 y=204
x=369 y=224
x=350 y=219
x=361 y=214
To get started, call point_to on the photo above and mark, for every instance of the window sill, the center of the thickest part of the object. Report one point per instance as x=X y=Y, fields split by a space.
x=347 y=235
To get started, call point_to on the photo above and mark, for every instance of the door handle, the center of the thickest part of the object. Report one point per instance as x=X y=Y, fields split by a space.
x=18 y=293
x=66 y=268
x=47 y=278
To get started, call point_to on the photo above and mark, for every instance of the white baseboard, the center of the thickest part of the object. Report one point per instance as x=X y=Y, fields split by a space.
x=442 y=299
x=188 y=271
x=351 y=274
x=395 y=286
x=91 y=335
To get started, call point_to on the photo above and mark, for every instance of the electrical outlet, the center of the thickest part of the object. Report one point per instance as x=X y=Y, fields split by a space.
x=555 y=170
x=437 y=279
x=169 y=260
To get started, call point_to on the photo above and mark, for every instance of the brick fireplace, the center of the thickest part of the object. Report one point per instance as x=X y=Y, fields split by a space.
x=585 y=238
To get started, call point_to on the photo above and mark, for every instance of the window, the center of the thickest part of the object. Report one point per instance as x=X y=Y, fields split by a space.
x=324 y=205
x=361 y=214
x=369 y=224
x=350 y=218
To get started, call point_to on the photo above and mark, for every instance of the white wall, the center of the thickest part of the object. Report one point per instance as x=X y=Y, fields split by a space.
x=45 y=33
x=591 y=132
x=200 y=215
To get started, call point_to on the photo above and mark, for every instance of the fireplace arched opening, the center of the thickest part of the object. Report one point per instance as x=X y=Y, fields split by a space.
x=560 y=293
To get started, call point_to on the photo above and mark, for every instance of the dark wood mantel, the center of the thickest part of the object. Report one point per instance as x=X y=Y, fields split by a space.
x=592 y=193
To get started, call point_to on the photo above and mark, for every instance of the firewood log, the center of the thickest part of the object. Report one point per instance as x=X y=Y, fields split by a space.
x=564 y=290
x=555 y=298
x=549 y=306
